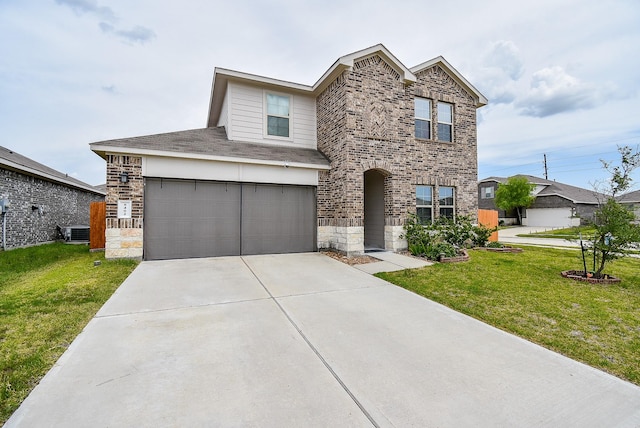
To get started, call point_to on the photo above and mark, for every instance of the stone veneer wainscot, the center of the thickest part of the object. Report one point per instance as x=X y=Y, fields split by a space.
x=124 y=237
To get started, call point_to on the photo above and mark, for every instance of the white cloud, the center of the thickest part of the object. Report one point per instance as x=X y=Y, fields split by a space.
x=500 y=69
x=108 y=19
x=137 y=34
x=505 y=55
x=554 y=91
x=109 y=89
x=73 y=78
x=88 y=6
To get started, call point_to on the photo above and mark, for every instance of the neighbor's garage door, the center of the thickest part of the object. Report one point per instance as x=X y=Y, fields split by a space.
x=191 y=218
x=549 y=217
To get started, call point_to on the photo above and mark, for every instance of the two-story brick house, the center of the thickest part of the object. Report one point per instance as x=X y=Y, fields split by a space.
x=286 y=167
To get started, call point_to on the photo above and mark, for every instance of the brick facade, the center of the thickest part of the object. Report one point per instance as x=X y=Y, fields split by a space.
x=38 y=206
x=366 y=122
x=124 y=235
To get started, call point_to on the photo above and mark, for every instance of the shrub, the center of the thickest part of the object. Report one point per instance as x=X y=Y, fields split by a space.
x=444 y=236
x=458 y=232
x=443 y=249
x=495 y=244
x=481 y=235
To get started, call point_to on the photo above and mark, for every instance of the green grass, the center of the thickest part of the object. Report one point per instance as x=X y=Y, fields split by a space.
x=524 y=294
x=567 y=233
x=48 y=294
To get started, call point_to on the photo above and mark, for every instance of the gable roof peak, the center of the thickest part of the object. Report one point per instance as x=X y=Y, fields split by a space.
x=348 y=60
x=481 y=100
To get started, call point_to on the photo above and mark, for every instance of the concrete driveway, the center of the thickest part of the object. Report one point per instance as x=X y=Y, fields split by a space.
x=510 y=236
x=302 y=340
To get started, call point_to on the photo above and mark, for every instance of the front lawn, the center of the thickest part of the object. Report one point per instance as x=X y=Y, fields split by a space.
x=570 y=233
x=524 y=294
x=48 y=294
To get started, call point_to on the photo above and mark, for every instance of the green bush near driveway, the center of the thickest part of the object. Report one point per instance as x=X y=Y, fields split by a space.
x=48 y=294
x=524 y=294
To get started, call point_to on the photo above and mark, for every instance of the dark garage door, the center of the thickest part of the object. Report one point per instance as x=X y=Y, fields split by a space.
x=191 y=218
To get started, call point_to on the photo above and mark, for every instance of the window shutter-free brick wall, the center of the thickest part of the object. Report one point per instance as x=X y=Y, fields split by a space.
x=366 y=121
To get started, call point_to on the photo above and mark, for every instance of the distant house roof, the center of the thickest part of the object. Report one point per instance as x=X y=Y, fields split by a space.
x=212 y=144
x=577 y=195
x=631 y=197
x=16 y=162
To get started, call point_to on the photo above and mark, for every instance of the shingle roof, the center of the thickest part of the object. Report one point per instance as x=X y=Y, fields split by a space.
x=212 y=142
x=630 y=197
x=19 y=163
x=554 y=188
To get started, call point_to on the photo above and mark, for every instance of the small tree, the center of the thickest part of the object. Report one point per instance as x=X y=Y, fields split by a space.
x=515 y=194
x=615 y=234
x=621 y=180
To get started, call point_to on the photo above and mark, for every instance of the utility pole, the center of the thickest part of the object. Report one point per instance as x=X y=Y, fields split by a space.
x=546 y=176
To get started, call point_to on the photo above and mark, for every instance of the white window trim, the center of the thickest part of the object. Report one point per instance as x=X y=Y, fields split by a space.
x=447 y=206
x=265 y=115
x=427 y=119
x=432 y=200
x=453 y=135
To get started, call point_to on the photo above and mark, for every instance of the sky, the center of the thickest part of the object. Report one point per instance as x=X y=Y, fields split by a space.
x=562 y=76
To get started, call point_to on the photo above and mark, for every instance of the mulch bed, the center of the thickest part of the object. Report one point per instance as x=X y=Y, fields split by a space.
x=578 y=275
x=353 y=260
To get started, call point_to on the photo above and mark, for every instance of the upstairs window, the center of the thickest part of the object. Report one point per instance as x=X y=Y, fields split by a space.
x=446 y=200
x=424 y=204
x=423 y=118
x=445 y=122
x=486 y=192
x=278 y=115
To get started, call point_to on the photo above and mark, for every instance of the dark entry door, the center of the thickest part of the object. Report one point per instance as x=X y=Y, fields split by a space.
x=373 y=210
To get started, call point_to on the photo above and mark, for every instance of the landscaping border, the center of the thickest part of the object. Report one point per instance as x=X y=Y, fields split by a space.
x=461 y=258
x=578 y=275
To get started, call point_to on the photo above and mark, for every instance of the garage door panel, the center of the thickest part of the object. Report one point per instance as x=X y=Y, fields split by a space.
x=550 y=217
x=185 y=218
x=277 y=219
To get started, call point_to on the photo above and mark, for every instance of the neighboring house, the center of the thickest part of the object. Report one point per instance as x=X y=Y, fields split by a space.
x=631 y=200
x=286 y=167
x=556 y=204
x=38 y=199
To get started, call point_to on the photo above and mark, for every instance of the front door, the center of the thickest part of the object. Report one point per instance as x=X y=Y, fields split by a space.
x=373 y=210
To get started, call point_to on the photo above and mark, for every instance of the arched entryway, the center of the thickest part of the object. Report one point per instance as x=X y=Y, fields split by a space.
x=373 y=210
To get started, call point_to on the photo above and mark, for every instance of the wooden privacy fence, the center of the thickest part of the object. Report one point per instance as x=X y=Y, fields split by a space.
x=489 y=218
x=98 y=224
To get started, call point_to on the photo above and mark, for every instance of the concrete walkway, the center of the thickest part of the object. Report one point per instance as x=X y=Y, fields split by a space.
x=304 y=340
x=391 y=262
